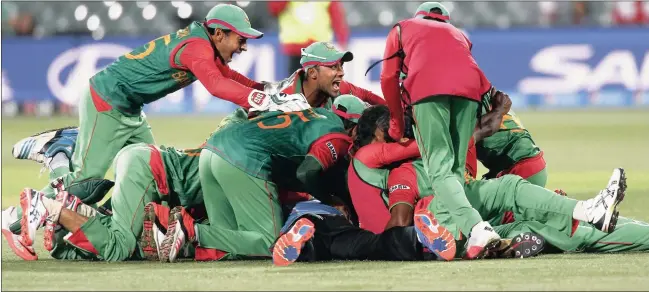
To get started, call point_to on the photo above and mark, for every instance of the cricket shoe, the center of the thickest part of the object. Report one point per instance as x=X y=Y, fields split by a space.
x=44 y=145
x=52 y=225
x=602 y=209
x=34 y=215
x=152 y=234
x=524 y=245
x=482 y=241
x=27 y=253
x=180 y=224
x=289 y=246
x=433 y=236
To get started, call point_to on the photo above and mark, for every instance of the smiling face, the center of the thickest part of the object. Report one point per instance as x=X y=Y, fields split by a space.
x=228 y=44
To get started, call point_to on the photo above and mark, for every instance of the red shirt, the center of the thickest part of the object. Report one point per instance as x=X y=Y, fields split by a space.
x=218 y=78
x=438 y=61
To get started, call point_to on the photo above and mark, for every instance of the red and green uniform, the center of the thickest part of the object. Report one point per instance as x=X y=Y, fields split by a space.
x=110 y=112
x=143 y=173
x=444 y=86
x=243 y=165
x=511 y=150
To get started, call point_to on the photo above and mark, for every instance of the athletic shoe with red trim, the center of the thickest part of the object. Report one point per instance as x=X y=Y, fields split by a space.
x=27 y=253
x=34 y=215
x=289 y=246
x=433 y=236
x=175 y=238
x=152 y=235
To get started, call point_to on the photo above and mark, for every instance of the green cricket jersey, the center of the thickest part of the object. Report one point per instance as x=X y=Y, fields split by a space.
x=273 y=140
x=509 y=145
x=148 y=73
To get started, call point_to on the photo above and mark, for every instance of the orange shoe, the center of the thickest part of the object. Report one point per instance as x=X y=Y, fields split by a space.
x=433 y=236
x=289 y=246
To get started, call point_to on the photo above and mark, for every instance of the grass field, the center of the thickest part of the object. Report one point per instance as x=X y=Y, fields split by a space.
x=581 y=149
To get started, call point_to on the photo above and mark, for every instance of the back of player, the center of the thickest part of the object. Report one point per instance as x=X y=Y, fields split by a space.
x=511 y=150
x=273 y=140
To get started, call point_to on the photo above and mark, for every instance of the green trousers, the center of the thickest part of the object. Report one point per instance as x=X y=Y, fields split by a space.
x=102 y=133
x=115 y=237
x=443 y=128
x=629 y=235
x=491 y=198
x=244 y=212
x=540 y=178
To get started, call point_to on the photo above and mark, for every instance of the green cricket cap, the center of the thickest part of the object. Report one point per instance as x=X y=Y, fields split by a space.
x=323 y=53
x=349 y=107
x=426 y=9
x=231 y=17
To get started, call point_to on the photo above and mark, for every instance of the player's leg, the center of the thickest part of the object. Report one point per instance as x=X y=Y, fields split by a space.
x=433 y=124
x=142 y=134
x=532 y=169
x=629 y=235
x=103 y=131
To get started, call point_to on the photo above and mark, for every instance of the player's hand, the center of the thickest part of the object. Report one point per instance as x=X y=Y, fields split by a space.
x=277 y=87
x=500 y=101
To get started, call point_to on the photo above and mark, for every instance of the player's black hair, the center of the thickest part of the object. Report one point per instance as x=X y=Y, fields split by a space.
x=374 y=117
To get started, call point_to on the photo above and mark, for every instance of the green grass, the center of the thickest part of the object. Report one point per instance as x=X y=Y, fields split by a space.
x=580 y=147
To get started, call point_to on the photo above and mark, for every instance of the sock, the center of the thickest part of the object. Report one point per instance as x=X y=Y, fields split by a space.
x=53 y=207
x=579 y=212
x=58 y=162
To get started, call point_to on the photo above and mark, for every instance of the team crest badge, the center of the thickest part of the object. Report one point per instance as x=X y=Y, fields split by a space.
x=329 y=46
x=245 y=17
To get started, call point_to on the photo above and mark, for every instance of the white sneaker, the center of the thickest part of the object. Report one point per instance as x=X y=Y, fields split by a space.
x=175 y=238
x=9 y=216
x=602 y=209
x=483 y=239
x=152 y=237
x=33 y=147
x=34 y=215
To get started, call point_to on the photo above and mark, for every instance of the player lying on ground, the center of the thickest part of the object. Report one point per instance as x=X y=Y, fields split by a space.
x=144 y=173
x=403 y=188
x=110 y=112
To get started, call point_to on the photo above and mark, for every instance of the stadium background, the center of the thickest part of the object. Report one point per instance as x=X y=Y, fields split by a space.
x=578 y=74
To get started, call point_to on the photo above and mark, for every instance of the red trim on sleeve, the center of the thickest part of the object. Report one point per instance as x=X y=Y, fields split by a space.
x=364 y=94
x=198 y=57
x=377 y=155
x=402 y=185
x=390 y=85
x=158 y=170
x=80 y=240
x=330 y=148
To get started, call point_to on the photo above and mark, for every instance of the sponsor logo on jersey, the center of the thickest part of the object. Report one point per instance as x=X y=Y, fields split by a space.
x=332 y=149
x=398 y=187
x=258 y=98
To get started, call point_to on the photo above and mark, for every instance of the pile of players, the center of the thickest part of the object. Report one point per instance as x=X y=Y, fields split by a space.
x=309 y=168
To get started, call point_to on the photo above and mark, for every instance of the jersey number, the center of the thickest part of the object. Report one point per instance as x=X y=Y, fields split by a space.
x=150 y=46
x=286 y=119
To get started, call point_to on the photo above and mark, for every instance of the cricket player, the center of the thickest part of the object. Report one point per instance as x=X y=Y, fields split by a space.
x=111 y=110
x=443 y=89
x=405 y=183
x=511 y=150
x=144 y=173
x=243 y=165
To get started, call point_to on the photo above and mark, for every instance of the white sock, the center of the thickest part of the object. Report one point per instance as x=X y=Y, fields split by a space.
x=53 y=207
x=579 y=212
x=59 y=160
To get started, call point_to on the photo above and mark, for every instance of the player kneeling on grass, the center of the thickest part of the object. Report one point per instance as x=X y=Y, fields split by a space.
x=243 y=165
x=143 y=174
x=539 y=210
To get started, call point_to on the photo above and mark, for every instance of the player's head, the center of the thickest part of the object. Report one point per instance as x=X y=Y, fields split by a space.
x=433 y=11
x=372 y=127
x=349 y=108
x=323 y=64
x=229 y=29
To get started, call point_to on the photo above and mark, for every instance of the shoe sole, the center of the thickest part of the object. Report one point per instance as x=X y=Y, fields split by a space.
x=24 y=252
x=524 y=245
x=441 y=243
x=24 y=220
x=287 y=250
x=610 y=222
x=168 y=242
x=147 y=240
